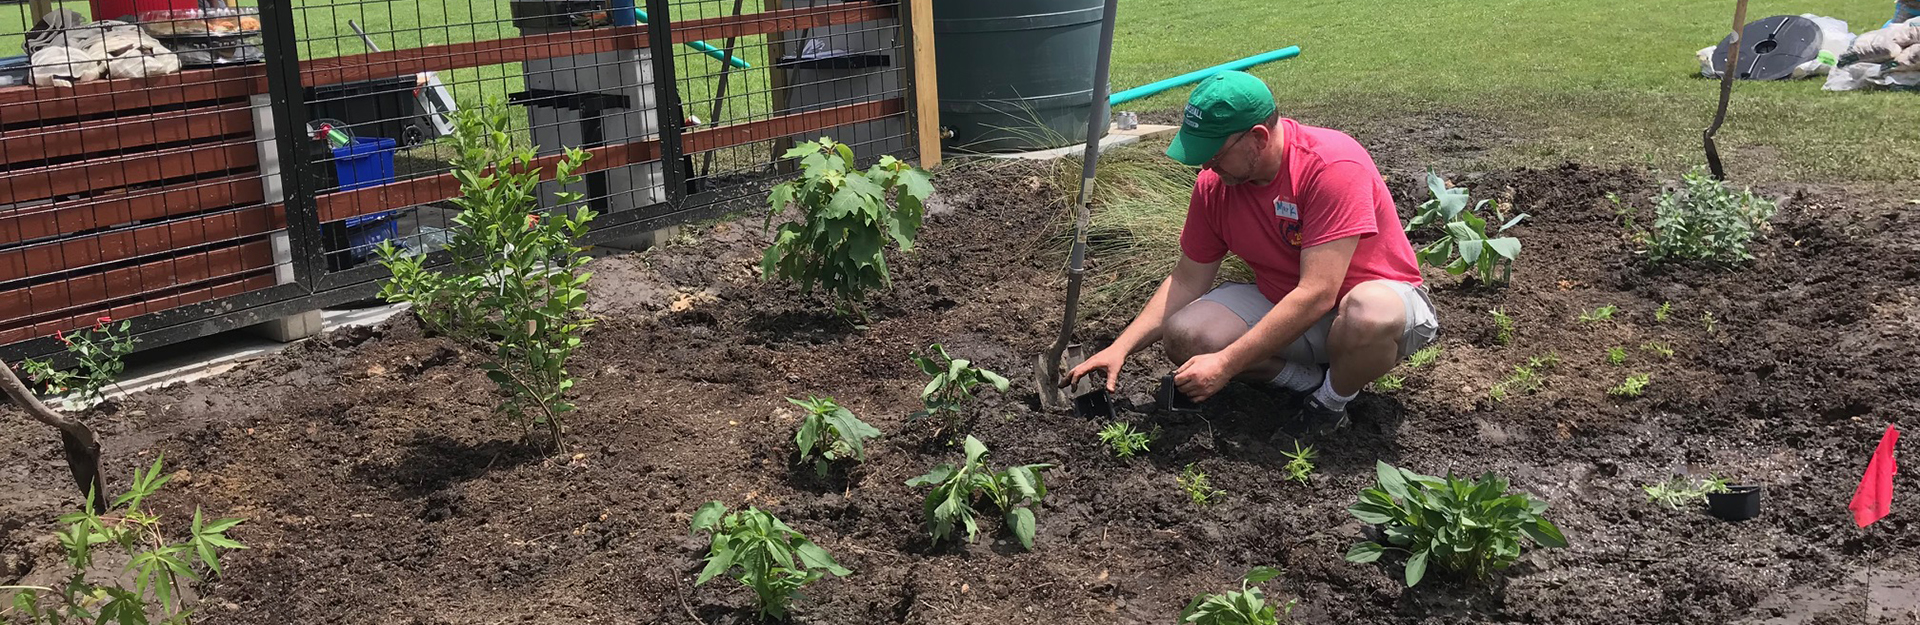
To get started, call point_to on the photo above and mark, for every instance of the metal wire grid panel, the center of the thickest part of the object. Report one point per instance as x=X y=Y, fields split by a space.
x=254 y=181
x=130 y=171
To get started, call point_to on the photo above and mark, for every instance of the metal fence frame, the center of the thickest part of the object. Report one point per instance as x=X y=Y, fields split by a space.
x=312 y=286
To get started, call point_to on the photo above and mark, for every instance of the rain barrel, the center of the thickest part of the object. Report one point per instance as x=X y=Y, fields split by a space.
x=1016 y=75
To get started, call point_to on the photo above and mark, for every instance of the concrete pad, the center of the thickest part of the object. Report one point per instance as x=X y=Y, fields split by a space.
x=213 y=355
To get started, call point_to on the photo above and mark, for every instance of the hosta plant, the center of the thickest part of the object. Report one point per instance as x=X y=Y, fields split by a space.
x=953 y=383
x=1247 y=606
x=846 y=220
x=1015 y=491
x=98 y=355
x=156 y=565
x=830 y=432
x=1470 y=527
x=515 y=286
x=762 y=553
x=1464 y=244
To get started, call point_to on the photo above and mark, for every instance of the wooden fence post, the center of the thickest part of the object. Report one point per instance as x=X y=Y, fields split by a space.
x=926 y=83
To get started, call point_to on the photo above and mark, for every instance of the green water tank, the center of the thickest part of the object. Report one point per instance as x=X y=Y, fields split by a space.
x=1016 y=75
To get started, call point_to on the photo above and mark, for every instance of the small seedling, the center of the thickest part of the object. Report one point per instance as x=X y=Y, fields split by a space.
x=1390 y=383
x=953 y=383
x=1666 y=310
x=1483 y=525
x=1603 y=313
x=1658 y=348
x=1635 y=384
x=1707 y=321
x=763 y=554
x=1247 y=606
x=1677 y=491
x=1124 y=440
x=1503 y=327
x=1424 y=357
x=154 y=566
x=834 y=430
x=1299 y=465
x=1616 y=356
x=1016 y=491
x=1198 y=487
x=1528 y=378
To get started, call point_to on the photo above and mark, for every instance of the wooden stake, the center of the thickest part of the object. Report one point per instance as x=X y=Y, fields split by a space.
x=926 y=83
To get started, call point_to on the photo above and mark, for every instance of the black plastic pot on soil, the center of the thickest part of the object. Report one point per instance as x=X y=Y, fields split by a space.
x=1739 y=503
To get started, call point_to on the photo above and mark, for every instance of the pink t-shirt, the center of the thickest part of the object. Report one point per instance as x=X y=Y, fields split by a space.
x=1328 y=189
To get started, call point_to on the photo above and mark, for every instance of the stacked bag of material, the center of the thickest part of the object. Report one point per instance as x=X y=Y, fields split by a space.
x=1888 y=58
x=65 y=50
x=1832 y=41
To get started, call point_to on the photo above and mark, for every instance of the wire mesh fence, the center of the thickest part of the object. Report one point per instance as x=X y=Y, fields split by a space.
x=184 y=162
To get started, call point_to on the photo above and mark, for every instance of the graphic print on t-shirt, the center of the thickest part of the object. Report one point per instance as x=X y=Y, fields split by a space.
x=1288 y=215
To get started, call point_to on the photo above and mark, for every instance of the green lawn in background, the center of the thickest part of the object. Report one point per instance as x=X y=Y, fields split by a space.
x=1597 y=82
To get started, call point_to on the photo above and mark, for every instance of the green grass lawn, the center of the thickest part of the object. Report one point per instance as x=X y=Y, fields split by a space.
x=1596 y=82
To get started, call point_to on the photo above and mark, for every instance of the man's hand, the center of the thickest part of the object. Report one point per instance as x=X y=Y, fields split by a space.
x=1108 y=360
x=1204 y=375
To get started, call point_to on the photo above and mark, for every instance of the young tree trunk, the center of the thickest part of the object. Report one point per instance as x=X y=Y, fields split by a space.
x=82 y=447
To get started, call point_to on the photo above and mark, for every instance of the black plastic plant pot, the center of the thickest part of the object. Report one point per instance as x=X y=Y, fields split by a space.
x=1739 y=503
x=1172 y=400
x=1094 y=404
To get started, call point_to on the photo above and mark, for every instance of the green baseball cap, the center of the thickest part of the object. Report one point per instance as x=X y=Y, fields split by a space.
x=1225 y=103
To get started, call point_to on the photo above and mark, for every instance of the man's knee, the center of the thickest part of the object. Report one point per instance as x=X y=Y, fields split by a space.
x=1372 y=311
x=1197 y=330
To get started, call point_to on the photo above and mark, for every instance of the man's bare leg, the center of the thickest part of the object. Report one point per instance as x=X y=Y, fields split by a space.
x=1364 y=342
x=1205 y=327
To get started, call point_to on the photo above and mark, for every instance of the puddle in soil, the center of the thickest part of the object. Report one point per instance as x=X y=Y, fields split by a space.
x=1895 y=598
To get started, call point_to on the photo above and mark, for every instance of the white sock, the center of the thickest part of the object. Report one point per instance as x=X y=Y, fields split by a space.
x=1299 y=377
x=1331 y=399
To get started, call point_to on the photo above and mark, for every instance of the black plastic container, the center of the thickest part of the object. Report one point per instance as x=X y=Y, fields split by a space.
x=384 y=107
x=1739 y=503
x=1172 y=400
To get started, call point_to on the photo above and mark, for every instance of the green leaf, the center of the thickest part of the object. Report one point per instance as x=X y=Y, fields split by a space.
x=975 y=449
x=1512 y=222
x=937 y=476
x=816 y=558
x=1260 y=574
x=809 y=434
x=708 y=516
x=1416 y=568
x=1545 y=533
x=1020 y=519
x=1365 y=552
x=1371 y=514
x=718 y=561
x=999 y=383
x=1506 y=247
x=1390 y=479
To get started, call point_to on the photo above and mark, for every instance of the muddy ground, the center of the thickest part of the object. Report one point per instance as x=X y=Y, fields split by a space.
x=380 y=489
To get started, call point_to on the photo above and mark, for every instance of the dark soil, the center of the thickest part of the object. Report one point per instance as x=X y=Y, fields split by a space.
x=379 y=488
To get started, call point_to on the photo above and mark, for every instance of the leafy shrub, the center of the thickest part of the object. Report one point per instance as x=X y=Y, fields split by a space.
x=1124 y=440
x=1198 y=486
x=1464 y=244
x=954 y=380
x=1706 y=221
x=98 y=355
x=833 y=430
x=1247 y=606
x=763 y=554
x=155 y=564
x=1015 y=491
x=516 y=283
x=841 y=239
x=1299 y=465
x=1460 y=526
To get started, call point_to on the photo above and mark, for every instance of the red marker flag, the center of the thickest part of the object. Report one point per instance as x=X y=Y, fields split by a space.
x=1875 y=496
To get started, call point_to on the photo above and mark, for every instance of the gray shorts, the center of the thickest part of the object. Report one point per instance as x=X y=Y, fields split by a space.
x=1247 y=301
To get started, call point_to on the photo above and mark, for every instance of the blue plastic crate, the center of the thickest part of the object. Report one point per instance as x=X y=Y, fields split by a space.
x=367 y=162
